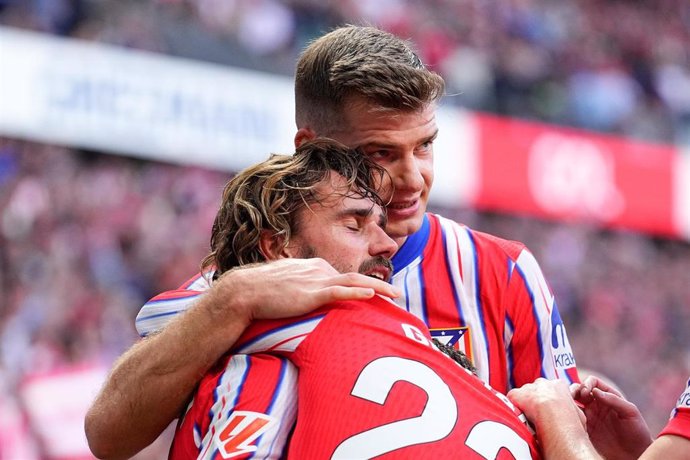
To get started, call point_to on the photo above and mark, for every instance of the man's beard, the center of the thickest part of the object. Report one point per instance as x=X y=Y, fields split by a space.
x=309 y=252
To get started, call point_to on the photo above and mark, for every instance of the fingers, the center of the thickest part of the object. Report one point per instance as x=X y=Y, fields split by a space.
x=520 y=396
x=362 y=281
x=615 y=402
x=584 y=393
x=581 y=393
x=593 y=381
x=335 y=293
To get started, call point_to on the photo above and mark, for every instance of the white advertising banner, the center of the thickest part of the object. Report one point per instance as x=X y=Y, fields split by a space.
x=120 y=100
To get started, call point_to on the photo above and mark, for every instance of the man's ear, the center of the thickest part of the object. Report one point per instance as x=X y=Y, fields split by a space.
x=272 y=246
x=303 y=135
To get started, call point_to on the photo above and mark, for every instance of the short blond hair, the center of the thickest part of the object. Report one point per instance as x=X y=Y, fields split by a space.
x=358 y=62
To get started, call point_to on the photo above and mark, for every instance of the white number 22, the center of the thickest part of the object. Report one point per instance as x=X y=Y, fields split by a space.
x=436 y=421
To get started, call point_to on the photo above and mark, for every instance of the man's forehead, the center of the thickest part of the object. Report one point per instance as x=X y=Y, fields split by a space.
x=366 y=126
x=334 y=188
x=335 y=193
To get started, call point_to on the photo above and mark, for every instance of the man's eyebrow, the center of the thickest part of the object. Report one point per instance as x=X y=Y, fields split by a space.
x=357 y=212
x=364 y=213
x=391 y=145
x=383 y=220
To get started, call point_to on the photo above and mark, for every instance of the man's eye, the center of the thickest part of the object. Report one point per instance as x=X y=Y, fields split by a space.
x=427 y=145
x=353 y=225
x=379 y=154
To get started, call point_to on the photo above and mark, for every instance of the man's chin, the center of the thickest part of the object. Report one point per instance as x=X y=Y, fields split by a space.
x=401 y=229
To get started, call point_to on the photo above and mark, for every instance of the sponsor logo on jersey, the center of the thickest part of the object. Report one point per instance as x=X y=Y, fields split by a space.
x=456 y=337
x=563 y=353
x=238 y=433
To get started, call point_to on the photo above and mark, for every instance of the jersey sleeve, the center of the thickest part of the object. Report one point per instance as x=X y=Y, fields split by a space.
x=244 y=408
x=159 y=310
x=679 y=423
x=537 y=342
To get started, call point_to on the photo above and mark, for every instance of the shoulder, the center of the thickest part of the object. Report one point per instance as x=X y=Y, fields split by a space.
x=679 y=423
x=483 y=241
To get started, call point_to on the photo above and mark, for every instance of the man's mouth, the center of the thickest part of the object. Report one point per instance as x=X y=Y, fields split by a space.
x=378 y=275
x=402 y=209
x=379 y=267
x=400 y=205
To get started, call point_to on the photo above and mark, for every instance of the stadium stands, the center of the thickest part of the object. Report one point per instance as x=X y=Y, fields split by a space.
x=86 y=238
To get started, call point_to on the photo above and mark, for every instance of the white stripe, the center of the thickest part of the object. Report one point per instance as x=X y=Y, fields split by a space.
x=201 y=282
x=155 y=315
x=290 y=345
x=508 y=337
x=543 y=304
x=285 y=411
x=288 y=337
x=458 y=241
x=409 y=281
x=226 y=390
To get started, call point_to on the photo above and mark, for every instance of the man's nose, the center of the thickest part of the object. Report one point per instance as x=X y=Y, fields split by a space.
x=408 y=175
x=383 y=245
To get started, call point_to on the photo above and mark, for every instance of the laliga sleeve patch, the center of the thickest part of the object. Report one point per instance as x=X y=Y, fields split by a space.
x=238 y=433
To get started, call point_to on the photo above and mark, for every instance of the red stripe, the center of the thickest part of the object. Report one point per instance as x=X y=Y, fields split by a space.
x=492 y=273
x=176 y=294
x=439 y=295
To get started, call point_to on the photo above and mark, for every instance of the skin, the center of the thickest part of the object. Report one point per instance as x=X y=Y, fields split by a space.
x=610 y=426
x=615 y=426
x=345 y=230
x=403 y=144
x=152 y=381
x=544 y=401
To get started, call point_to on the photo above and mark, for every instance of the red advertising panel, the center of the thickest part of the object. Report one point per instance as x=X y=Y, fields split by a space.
x=568 y=174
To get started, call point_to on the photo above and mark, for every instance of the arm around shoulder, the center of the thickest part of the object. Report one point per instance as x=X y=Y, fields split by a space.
x=150 y=384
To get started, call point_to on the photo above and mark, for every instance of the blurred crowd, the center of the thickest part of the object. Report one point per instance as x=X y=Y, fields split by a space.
x=86 y=238
x=614 y=66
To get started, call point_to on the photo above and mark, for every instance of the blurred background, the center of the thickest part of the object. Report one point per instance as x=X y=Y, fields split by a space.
x=566 y=126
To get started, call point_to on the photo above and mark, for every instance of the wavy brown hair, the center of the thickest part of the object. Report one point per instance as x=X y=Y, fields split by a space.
x=268 y=195
x=362 y=63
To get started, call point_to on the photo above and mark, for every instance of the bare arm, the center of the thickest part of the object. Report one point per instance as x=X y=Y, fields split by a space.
x=151 y=383
x=668 y=447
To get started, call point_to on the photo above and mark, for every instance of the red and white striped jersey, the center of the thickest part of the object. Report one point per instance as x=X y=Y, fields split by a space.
x=482 y=294
x=371 y=384
x=679 y=423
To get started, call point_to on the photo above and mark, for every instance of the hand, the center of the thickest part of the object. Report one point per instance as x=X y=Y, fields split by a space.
x=544 y=401
x=559 y=423
x=615 y=425
x=292 y=287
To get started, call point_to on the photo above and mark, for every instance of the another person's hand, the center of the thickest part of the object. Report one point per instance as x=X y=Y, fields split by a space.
x=615 y=425
x=292 y=287
x=559 y=423
x=546 y=401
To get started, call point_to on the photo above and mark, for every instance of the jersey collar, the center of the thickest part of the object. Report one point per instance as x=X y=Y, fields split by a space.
x=412 y=247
